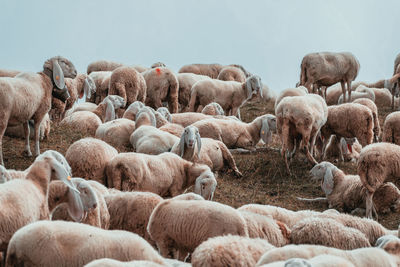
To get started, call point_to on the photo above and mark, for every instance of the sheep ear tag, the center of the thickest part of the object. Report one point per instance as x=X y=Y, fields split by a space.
x=58 y=75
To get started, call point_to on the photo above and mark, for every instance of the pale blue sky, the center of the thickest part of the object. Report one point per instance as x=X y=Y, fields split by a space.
x=268 y=37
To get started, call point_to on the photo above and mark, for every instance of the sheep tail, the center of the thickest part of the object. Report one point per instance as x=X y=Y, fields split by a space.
x=227 y=156
x=192 y=102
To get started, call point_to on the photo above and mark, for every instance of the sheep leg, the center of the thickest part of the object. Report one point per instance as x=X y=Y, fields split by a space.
x=392 y=99
x=343 y=91
x=308 y=154
x=27 y=151
x=349 y=89
x=37 y=147
x=369 y=204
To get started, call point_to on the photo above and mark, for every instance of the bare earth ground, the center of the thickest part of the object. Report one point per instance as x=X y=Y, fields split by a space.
x=264 y=181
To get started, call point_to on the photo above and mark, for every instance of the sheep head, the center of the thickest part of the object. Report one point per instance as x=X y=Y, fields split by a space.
x=165 y=112
x=89 y=87
x=390 y=243
x=189 y=137
x=145 y=116
x=134 y=108
x=268 y=125
x=324 y=171
x=213 y=109
x=79 y=204
x=254 y=87
x=205 y=184
x=297 y=262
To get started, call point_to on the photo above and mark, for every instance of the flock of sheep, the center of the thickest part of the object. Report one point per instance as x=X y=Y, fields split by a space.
x=132 y=209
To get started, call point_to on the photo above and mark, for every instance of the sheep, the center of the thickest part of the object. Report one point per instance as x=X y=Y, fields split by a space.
x=116 y=132
x=229 y=250
x=347 y=149
x=213 y=109
x=145 y=116
x=129 y=84
x=237 y=134
x=335 y=91
x=300 y=118
x=101 y=80
x=361 y=92
x=391 y=128
x=162 y=85
x=210 y=152
x=230 y=95
x=153 y=141
x=179 y=226
x=88 y=122
x=9 y=174
x=25 y=200
x=259 y=226
x=44 y=129
x=360 y=257
x=75 y=244
x=395 y=80
x=323 y=260
x=28 y=96
x=165 y=113
x=85 y=106
x=103 y=65
x=390 y=243
x=349 y=120
x=163 y=122
x=231 y=73
x=188 y=118
x=298 y=91
x=166 y=174
x=114 y=263
x=327 y=232
x=210 y=70
x=130 y=211
x=9 y=73
x=132 y=110
x=383 y=98
x=186 y=81
x=88 y=158
x=377 y=162
x=371 y=105
x=326 y=69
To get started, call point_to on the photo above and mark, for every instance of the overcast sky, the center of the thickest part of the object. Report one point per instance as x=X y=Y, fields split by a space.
x=269 y=37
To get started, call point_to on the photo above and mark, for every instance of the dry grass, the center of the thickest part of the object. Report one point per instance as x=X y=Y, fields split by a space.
x=264 y=181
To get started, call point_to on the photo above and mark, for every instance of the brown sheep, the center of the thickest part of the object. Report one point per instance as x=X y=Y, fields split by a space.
x=391 y=128
x=371 y=105
x=103 y=65
x=210 y=70
x=231 y=74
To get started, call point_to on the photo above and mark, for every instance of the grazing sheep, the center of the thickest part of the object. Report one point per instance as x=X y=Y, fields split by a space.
x=210 y=152
x=88 y=206
x=89 y=121
x=326 y=69
x=210 y=70
x=116 y=132
x=24 y=201
x=377 y=162
x=166 y=174
x=327 y=232
x=188 y=118
x=88 y=158
x=361 y=92
x=298 y=91
x=157 y=64
x=229 y=251
x=129 y=84
x=349 y=120
x=231 y=73
x=179 y=226
x=130 y=211
x=28 y=96
x=230 y=95
x=18 y=131
x=186 y=81
x=361 y=257
x=132 y=110
x=395 y=80
x=237 y=134
x=9 y=73
x=153 y=141
x=162 y=85
x=260 y=226
x=299 y=120
x=391 y=128
x=213 y=109
x=371 y=105
x=75 y=244
x=101 y=80
x=103 y=65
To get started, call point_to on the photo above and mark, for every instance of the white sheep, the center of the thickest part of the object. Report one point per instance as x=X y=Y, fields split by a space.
x=103 y=65
x=85 y=106
x=391 y=128
x=361 y=92
x=230 y=95
x=28 y=96
x=186 y=81
x=116 y=132
x=298 y=91
x=150 y=140
x=347 y=149
x=75 y=244
x=323 y=260
x=229 y=250
x=179 y=226
x=210 y=152
x=145 y=116
x=166 y=174
x=371 y=105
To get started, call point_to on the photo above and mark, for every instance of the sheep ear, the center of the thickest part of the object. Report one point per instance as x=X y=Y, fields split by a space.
x=327 y=183
x=260 y=86
x=63 y=174
x=198 y=143
x=265 y=133
x=249 y=88
x=58 y=75
x=343 y=144
x=87 y=89
x=110 y=112
x=182 y=144
x=75 y=206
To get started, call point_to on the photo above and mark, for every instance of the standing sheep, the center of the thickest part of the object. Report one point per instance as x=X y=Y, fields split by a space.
x=230 y=95
x=162 y=85
x=166 y=174
x=326 y=69
x=230 y=251
x=377 y=162
x=18 y=131
x=391 y=128
x=28 y=96
x=182 y=225
x=298 y=91
x=103 y=65
x=186 y=81
x=88 y=158
x=231 y=73
x=74 y=244
x=210 y=70
x=371 y=105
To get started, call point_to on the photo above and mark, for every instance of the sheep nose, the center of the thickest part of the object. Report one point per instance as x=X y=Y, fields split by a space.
x=191 y=142
x=94 y=205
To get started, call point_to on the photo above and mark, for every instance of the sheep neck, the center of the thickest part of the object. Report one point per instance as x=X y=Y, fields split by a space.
x=254 y=129
x=193 y=170
x=100 y=111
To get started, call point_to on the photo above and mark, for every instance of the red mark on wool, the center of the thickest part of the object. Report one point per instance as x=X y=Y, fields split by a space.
x=349 y=147
x=81 y=94
x=158 y=71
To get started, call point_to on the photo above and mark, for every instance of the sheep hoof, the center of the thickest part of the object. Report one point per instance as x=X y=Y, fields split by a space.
x=238 y=174
x=27 y=153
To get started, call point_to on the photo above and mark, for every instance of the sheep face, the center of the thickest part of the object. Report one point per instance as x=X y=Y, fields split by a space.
x=254 y=87
x=297 y=262
x=87 y=195
x=268 y=125
x=67 y=67
x=318 y=171
x=165 y=113
x=117 y=101
x=205 y=185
